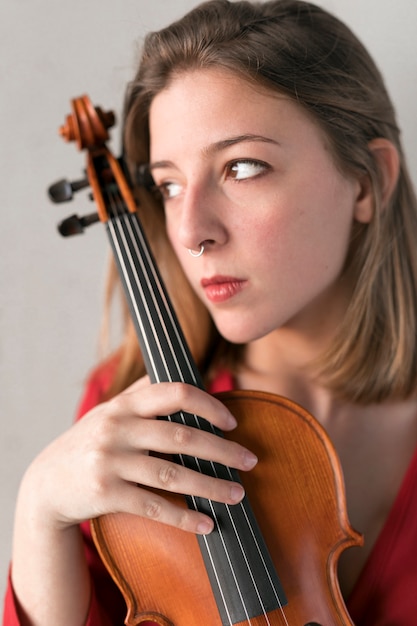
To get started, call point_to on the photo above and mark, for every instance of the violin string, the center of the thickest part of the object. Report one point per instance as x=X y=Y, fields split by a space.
x=190 y=369
x=228 y=508
x=128 y=223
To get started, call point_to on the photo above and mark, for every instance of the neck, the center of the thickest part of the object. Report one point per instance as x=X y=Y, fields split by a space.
x=283 y=363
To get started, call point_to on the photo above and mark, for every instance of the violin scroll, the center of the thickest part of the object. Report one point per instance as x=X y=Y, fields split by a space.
x=87 y=125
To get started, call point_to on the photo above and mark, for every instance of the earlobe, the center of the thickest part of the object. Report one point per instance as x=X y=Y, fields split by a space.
x=388 y=162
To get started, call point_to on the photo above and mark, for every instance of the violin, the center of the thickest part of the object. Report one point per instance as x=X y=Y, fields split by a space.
x=271 y=559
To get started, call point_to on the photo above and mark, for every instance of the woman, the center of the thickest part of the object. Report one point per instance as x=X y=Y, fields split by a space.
x=276 y=159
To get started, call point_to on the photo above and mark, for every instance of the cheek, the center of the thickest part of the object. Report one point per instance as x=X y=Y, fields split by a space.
x=307 y=237
x=326 y=248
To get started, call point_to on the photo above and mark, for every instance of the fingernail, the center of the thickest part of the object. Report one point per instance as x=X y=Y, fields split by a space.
x=249 y=460
x=236 y=493
x=231 y=421
x=205 y=527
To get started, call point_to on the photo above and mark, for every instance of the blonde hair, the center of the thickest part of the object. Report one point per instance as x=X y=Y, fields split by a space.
x=299 y=49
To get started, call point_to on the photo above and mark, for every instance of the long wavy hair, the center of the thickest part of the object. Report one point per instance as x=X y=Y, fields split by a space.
x=300 y=50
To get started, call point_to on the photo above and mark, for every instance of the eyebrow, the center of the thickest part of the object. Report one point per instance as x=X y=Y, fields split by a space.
x=218 y=146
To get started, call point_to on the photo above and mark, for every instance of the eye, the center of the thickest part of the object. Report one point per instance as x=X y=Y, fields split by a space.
x=246 y=168
x=169 y=190
x=165 y=190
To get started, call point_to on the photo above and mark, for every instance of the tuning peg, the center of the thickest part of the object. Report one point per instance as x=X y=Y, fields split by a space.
x=62 y=191
x=75 y=225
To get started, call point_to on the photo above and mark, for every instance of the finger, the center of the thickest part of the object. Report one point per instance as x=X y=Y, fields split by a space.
x=160 y=473
x=150 y=505
x=169 y=398
x=173 y=438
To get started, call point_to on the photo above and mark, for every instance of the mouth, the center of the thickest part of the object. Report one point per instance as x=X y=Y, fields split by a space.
x=222 y=288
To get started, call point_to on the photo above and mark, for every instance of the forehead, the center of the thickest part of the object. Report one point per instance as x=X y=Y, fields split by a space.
x=207 y=105
x=198 y=86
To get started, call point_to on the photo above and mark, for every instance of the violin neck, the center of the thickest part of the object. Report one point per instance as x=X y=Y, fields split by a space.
x=165 y=351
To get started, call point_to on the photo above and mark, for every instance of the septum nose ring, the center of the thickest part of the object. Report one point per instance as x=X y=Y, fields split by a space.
x=196 y=253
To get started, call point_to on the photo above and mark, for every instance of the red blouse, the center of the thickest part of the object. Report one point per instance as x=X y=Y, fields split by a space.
x=384 y=595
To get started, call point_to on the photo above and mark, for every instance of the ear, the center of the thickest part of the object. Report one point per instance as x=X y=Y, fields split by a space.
x=388 y=162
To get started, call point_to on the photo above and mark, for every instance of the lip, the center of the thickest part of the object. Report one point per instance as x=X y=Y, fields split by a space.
x=222 y=288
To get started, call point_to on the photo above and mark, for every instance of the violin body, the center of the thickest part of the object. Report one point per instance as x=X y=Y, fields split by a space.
x=297 y=493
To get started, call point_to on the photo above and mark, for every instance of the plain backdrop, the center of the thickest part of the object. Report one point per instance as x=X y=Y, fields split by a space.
x=51 y=288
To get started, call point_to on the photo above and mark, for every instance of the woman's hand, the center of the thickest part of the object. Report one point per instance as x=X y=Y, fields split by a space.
x=102 y=464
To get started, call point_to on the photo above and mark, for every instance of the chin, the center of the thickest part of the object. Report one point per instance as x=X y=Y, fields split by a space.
x=240 y=333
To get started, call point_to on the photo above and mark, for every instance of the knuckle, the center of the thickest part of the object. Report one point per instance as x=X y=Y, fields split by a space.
x=117 y=404
x=182 y=435
x=167 y=475
x=99 y=478
x=181 y=393
x=105 y=430
x=183 y=521
x=152 y=509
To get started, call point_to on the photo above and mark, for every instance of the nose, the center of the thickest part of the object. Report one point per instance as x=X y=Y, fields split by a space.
x=200 y=218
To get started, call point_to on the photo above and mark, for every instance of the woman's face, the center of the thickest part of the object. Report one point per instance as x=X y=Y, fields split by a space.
x=247 y=173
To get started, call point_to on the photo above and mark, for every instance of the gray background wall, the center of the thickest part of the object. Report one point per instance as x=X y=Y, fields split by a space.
x=51 y=288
